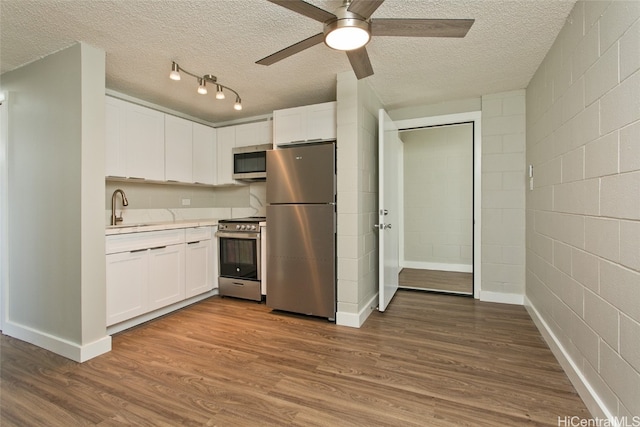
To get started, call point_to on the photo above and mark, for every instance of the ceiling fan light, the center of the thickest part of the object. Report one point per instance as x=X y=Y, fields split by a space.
x=202 y=88
x=347 y=34
x=175 y=72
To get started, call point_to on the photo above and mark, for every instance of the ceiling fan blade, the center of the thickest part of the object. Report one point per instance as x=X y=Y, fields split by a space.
x=421 y=27
x=292 y=50
x=306 y=9
x=364 y=8
x=360 y=63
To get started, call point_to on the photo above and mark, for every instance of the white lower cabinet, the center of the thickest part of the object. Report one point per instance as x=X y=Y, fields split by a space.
x=127 y=285
x=199 y=261
x=150 y=270
x=166 y=275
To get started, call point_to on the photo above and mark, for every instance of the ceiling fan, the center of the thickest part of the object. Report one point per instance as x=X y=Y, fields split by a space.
x=350 y=28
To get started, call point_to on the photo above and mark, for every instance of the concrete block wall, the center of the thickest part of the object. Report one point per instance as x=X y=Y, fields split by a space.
x=357 y=200
x=583 y=215
x=503 y=203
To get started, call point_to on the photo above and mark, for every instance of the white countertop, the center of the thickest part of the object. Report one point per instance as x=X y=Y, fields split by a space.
x=156 y=226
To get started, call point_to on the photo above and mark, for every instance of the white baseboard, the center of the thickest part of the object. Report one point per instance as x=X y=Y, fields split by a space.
x=593 y=402
x=461 y=268
x=63 y=347
x=501 y=297
x=357 y=320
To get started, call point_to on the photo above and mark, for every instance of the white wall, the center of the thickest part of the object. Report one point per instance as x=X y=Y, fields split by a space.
x=56 y=286
x=357 y=148
x=438 y=195
x=583 y=216
x=503 y=205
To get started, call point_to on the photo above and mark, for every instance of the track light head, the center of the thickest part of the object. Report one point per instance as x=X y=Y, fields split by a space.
x=175 y=72
x=202 y=87
x=219 y=92
x=238 y=105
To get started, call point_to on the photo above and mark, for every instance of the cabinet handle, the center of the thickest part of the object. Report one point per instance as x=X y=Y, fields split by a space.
x=136 y=177
x=237 y=283
x=158 y=247
x=193 y=243
x=138 y=250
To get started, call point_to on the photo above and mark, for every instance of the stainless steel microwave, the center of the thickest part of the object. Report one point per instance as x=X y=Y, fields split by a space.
x=250 y=163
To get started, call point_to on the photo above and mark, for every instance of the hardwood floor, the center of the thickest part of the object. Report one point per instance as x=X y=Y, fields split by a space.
x=434 y=280
x=428 y=360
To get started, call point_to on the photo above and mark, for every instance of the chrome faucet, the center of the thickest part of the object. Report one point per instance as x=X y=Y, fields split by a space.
x=115 y=219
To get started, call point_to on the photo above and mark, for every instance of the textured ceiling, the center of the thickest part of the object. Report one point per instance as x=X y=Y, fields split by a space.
x=501 y=52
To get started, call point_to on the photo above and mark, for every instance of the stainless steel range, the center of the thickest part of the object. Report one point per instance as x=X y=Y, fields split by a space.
x=239 y=249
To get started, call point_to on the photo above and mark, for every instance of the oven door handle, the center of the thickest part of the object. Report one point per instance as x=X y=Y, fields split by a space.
x=236 y=235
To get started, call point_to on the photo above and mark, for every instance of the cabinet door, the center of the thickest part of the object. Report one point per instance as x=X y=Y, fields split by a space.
x=253 y=134
x=145 y=143
x=263 y=259
x=214 y=257
x=178 y=149
x=321 y=121
x=166 y=275
x=264 y=132
x=204 y=154
x=289 y=125
x=127 y=280
x=198 y=267
x=226 y=141
x=115 y=148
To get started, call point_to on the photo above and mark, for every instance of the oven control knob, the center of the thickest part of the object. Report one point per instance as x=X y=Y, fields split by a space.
x=238 y=227
x=253 y=227
x=244 y=227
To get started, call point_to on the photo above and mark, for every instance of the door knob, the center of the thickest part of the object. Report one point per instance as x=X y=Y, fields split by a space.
x=384 y=212
x=379 y=226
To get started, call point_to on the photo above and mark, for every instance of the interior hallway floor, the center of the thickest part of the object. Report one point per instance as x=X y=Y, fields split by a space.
x=435 y=280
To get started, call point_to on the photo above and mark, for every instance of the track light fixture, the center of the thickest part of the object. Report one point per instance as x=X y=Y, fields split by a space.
x=202 y=84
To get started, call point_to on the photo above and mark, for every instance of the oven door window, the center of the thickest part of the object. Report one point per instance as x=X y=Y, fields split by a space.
x=239 y=258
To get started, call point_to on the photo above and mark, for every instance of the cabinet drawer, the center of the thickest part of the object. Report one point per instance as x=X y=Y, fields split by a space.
x=144 y=240
x=197 y=234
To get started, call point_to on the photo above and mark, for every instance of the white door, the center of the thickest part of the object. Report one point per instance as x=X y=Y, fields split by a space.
x=389 y=146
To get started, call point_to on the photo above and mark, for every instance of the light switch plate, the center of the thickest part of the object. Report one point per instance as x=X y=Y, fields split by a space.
x=186 y=202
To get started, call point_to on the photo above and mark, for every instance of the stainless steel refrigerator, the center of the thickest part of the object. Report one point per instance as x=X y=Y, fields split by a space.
x=301 y=226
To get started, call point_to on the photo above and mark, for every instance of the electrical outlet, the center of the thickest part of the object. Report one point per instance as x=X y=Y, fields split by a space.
x=186 y=202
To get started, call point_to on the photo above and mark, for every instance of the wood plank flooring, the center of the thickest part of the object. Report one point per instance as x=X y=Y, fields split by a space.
x=435 y=280
x=428 y=360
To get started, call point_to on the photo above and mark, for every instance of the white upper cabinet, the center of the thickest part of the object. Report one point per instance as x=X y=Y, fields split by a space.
x=116 y=150
x=204 y=154
x=305 y=124
x=178 y=149
x=134 y=141
x=254 y=134
x=226 y=140
x=144 y=140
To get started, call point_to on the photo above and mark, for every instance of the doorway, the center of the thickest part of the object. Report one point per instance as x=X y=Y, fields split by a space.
x=443 y=273
x=437 y=186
